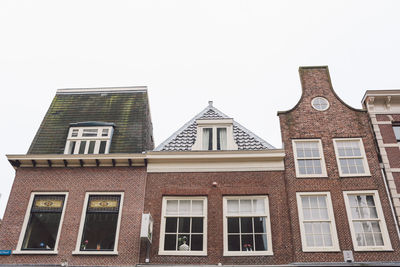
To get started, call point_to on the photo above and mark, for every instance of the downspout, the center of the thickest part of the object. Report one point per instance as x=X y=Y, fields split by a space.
x=390 y=200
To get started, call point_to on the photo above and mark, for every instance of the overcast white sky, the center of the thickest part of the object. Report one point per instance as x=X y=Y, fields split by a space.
x=244 y=55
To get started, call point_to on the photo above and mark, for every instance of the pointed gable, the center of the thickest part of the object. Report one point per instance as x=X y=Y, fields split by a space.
x=185 y=137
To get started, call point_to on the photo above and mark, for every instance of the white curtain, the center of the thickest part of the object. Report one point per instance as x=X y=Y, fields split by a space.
x=206 y=138
x=222 y=138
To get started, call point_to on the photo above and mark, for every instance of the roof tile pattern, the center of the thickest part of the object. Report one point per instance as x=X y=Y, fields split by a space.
x=185 y=137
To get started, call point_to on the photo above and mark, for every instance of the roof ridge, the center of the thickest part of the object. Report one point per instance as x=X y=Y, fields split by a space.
x=123 y=89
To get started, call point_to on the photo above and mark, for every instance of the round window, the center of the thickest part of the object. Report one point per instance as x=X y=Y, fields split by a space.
x=320 y=103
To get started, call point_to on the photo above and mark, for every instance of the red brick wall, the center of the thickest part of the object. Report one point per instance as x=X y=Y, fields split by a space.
x=339 y=121
x=229 y=183
x=76 y=181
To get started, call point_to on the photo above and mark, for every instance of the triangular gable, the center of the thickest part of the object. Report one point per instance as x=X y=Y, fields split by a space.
x=184 y=138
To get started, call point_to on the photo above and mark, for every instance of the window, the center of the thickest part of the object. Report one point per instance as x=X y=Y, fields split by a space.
x=214 y=138
x=42 y=224
x=366 y=220
x=88 y=140
x=309 y=158
x=99 y=229
x=396 y=129
x=351 y=158
x=320 y=103
x=183 y=226
x=215 y=134
x=317 y=223
x=247 y=229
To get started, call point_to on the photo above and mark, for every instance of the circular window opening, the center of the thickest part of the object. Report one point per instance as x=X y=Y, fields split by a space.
x=320 y=103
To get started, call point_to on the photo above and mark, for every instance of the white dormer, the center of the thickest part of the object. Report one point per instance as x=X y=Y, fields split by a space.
x=215 y=134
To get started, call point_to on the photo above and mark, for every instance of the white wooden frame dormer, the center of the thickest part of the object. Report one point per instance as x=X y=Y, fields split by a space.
x=214 y=124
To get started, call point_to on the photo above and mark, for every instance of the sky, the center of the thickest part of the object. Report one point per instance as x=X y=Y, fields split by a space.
x=243 y=55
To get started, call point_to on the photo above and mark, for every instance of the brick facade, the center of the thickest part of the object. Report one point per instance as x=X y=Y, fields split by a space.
x=338 y=121
x=76 y=181
x=228 y=184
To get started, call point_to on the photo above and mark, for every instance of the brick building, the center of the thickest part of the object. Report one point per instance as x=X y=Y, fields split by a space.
x=384 y=110
x=217 y=193
x=78 y=193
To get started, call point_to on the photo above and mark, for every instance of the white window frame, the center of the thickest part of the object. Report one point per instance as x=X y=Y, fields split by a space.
x=363 y=157
x=161 y=250
x=321 y=158
x=214 y=124
x=79 y=138
x=268 y=225
x=26 y=221
x=318 y=98
x=331 y=219
x=77 y=250
x=381 y=218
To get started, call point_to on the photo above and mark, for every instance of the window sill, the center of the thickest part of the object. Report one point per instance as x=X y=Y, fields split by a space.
x=31 y=252
x=370 y=249
x=183 y=253
x=248 y=254
x=101 y=253
x=321 y=250
x=312 y=176
x=354 y=175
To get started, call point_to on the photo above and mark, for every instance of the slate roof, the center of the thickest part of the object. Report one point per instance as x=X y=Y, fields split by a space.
x=184 y=138
x=127 y=108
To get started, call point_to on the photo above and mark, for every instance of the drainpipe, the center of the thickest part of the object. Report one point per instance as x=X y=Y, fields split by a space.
x=390 y=200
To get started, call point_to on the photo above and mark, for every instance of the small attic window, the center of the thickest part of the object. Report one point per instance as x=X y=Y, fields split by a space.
x=87 y=138
x=215 y=135
x=320 y=103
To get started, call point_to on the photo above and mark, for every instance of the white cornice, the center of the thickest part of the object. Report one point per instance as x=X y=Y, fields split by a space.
x=88 y=160
x=103 y=90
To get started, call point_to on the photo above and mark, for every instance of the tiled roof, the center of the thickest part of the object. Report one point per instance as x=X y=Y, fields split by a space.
x=126 y=108
x=184 y=138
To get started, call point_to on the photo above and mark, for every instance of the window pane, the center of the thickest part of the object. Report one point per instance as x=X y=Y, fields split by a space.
x=91 y=147
x=104 y=132
x=221 y=138
x=99 y=231
x=172 y=207
x=260 y=225
x=247 y=243
x=207 y=139
x=197 y=225
x=245 y=206
x=74 y=133
x=184 y=207
x=396 y=130
x=233 y=206
x=258 y=205
x=184 y=225
x=197 y=242
x=171 y=225
x=82 y=147
x=197 y=207
x=233 y=225
x=41 y=232
x=89 y=132
x=72 y=147
x=246 y=224
x=102 y=148
x=170 y=242
x=261 y=242
x=183 y=242
x=233 y=243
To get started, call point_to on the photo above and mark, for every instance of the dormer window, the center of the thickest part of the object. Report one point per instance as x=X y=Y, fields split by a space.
x=89 y=138
x=215 y=135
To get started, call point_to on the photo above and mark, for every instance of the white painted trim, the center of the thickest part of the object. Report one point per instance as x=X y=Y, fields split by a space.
x=321 y=158
x=363 y=157
x=129 y=89
x=19 y=250
x=79 y=138
x=320 y=97
x=161 y=250
x=77 y=250
x=269 y=252
x=335 y=242
x=381 y=219
x=383 y=122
